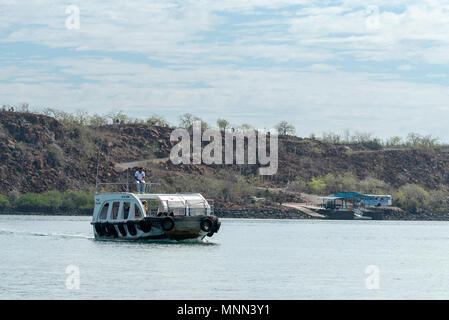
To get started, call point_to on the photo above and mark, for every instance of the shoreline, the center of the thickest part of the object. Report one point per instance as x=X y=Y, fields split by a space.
x=253 y=214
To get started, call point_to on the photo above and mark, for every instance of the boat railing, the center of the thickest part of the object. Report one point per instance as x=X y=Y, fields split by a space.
x=124 y=187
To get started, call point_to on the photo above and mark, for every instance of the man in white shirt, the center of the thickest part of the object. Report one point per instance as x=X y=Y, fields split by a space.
x=140 y=180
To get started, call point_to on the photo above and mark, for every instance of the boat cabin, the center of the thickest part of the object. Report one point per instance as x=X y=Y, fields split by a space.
x=130 y=206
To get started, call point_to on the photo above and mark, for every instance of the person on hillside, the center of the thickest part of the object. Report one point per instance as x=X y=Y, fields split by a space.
x=140 y=180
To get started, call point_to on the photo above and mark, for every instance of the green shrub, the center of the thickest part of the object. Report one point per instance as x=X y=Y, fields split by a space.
x=412 y=197
x=340 y=183
x=29 y=201
x=47 y=200
x=77 y=200
x=316 y=186
x=346 y=182
x=371 y=185
x=3 y=202
x=439 y=200
x=54 y=200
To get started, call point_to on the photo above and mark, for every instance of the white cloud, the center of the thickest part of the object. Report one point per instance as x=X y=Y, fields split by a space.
x=334 y=98
x=257 y=61
x=169 y=30
x=436 y=75
x=405 y=67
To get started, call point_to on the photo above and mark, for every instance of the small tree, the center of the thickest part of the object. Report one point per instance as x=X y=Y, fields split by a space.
x=157 y=120
x=417 y=140
x=413 y=139
x=362 y=137
x=284 y=128
x=429 y=141
x=24 y=107
x=98 y=120
x=187 y=120
x=394 y=141
x=331 y=137
x=222 y=124
x=82 y=117
x=118 y=117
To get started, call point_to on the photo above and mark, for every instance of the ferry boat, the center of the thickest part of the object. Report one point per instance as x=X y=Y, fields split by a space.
x=130 y=216
x=348 y=205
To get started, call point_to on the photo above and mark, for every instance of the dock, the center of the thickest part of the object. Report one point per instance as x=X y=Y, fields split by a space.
x=304 y=209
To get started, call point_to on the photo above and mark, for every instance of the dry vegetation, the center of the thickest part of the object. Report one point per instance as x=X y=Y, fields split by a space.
x=63 y=156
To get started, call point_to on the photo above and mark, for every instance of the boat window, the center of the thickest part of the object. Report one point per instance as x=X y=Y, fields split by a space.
x=178 y=211
x=137 y=212
x=197 y=211
x=104 y=211
x=197 y=207
x=115 y=208
x=161 y=207
x=153 y=207
x=125 y=210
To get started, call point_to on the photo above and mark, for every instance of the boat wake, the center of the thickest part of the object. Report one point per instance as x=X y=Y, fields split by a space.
x=91 y=237
x=204 y=242
x=44 y=234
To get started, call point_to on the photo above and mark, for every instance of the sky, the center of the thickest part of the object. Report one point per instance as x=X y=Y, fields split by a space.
x=324 y=66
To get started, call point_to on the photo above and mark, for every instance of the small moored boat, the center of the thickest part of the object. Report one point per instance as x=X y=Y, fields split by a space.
x=130 y=216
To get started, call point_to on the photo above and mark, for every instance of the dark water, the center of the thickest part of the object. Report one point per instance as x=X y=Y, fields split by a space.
x=247 y=259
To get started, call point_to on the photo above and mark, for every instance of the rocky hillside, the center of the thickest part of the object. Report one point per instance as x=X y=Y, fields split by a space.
x=423 y=166
x=38 y=153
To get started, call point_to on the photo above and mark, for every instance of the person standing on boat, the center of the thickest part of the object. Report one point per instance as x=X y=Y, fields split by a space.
x=140 y=180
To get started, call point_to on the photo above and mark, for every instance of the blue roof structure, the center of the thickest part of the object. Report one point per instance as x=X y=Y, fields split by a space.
x=349 y=195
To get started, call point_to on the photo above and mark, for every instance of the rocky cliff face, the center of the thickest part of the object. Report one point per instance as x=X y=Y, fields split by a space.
x=37 y=153
x=24 y=140
x=306 y=158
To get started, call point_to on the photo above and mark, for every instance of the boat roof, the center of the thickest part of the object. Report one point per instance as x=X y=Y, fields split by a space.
x=171 y=197
x=183 y=198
